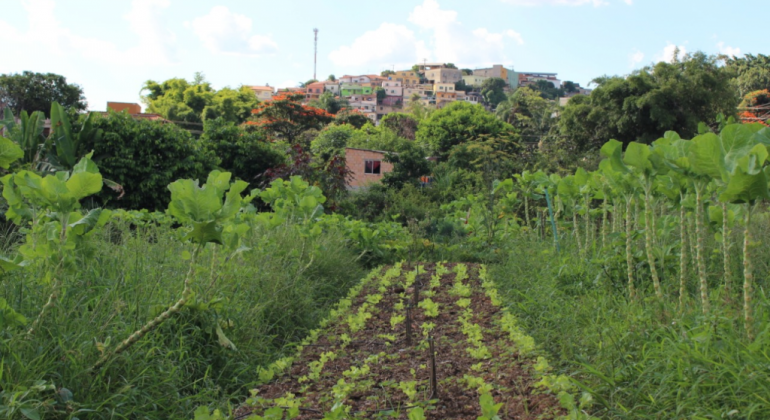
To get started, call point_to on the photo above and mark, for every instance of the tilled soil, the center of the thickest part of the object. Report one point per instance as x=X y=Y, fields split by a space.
x=378 y=391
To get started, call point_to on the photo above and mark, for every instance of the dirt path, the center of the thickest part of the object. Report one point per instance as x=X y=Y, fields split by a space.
x=363 y=360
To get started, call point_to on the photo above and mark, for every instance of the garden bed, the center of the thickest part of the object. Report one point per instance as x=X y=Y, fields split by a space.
x=362 y=363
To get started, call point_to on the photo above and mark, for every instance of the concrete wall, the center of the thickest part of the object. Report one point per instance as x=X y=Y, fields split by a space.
x=355 y=160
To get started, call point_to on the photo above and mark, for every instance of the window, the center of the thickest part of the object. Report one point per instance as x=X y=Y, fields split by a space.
x=372 y=166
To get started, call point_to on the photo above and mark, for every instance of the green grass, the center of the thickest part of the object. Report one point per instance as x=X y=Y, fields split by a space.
x=644 y=359
x=263 y=300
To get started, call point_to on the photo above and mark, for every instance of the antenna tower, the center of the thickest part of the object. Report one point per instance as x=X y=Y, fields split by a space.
x=315 y=52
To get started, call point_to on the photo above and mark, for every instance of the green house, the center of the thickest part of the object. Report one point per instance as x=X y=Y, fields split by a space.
x=351 y=89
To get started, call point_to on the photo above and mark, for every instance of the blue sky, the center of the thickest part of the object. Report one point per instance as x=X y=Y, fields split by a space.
x=112 y=48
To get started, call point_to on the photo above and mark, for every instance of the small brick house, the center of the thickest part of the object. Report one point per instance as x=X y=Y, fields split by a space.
x=366 y=166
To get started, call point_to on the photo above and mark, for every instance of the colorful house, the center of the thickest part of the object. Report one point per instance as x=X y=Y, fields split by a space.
x=264 y=93
x=406 y=77
x=474 y=80
x=393 y=88
x=366 y=166
x=314 y=90
x=443 y=87
x=499 y=71
x=349 y=89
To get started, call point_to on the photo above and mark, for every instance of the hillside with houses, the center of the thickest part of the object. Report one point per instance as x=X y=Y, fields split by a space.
x=434 y=85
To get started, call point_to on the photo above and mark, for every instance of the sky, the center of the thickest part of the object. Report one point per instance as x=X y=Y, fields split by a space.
x=112 y=48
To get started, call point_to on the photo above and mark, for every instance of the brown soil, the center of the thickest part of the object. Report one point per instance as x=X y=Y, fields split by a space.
x=509 y=374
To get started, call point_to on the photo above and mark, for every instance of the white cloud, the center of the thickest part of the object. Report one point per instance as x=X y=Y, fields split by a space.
x=667 y=54
x=728 y=50
x=635 y=58
x=450 y=41
x=156 y=44
x=440 y=37
x=390 y=44
x=225 y=32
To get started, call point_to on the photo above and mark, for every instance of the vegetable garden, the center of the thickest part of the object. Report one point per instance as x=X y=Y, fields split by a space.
x=419 y=342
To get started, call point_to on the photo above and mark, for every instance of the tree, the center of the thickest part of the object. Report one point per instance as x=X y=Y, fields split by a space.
x=547 y=89
x=529 y=113
x=570 y=87
x=179 y=100
x=457 y=123
x=329 y=103
x=460 y=86
x=493 y=91
x=409 y=164
x=245 y=154
x=386 y=73
x=467 y=72
x=285 y=118
x=641 y=107
x=331 y=78
x=309 y=82
x=750 y=73
x=32 y=92
x=333 y=140
x=351 y=117
x=144 y=157
x=450 y=65
x=404 y=125
x=417 y=69
x=381 y=94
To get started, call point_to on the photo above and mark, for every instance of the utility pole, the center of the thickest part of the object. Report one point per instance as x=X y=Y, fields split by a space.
x=315 y=53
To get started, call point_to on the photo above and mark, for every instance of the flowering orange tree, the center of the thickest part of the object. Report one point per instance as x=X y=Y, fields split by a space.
x=285 y=117
x=755 y=107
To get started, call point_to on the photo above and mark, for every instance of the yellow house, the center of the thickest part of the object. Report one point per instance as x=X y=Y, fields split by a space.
x=474 y=80
x=406 y=77
x=264 y=93
x=443 y=87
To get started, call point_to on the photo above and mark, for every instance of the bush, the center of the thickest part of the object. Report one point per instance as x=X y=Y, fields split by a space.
x=144 y=157
x=246 y=154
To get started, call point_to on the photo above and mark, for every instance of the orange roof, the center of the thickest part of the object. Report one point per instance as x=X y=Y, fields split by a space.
x=261 y=88
x=316 y=84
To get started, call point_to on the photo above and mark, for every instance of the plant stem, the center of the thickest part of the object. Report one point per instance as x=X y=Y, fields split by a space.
x=587 y=218
x=748 y=275
x=137 y=335
x=629 y=255
x=682 y=253
x=699 y=251
x=526 y=211
x=576 y=231
x=726 y=245
x=604 y=222
x=648 y=233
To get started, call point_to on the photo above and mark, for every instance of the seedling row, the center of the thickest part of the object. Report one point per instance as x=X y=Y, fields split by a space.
x=425 y=341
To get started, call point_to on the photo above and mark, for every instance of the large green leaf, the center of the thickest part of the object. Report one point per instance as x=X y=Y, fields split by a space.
x=233 y=200
x=62 y=134
x=190 y=203
x=638 y=156
x=613 y=151
x=9 y=152
x=745 y=188
x=204 y=232
x=706 y=156
x=83 y=184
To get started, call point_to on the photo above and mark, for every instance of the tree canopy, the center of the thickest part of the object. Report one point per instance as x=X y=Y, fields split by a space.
x=32 y=92
x=285 y=118
x=457 y=123
x=193 y=102
x=529 y=113
x=493 y=91
x=672 y=96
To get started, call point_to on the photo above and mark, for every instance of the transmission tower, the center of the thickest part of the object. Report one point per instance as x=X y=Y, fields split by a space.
x=315 y=52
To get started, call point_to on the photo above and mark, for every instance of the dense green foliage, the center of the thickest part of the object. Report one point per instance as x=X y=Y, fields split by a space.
x=246 y=154
x=672 y=96
x=32 y=92
x=196 y=101
x=145 y=156
x=457 y=123
x=493 y=91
